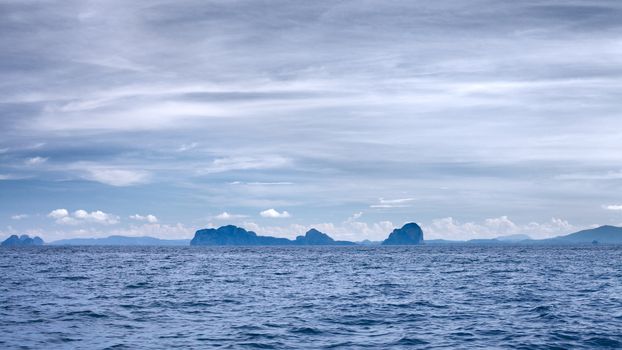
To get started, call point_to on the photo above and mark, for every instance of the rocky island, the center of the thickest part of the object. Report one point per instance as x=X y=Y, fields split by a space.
x=409 y=234
x=22 y=241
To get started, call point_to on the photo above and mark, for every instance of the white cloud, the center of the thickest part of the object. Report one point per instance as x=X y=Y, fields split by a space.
x=152 y=219
x=610 y=175
x=19 y=216
x=11 y=177
x=272 y=213
x=178 y=231
x=613 y=207
x=35 y=160
x=355 y=217
x=227 y=216
x=261 y=183
x=187 y=147
x=392 y=203
x=449 y=228
x=58 y=213
x=245 y=163
x=157 y=230
x=80 y=216
x=117 y=177
x=352 y=231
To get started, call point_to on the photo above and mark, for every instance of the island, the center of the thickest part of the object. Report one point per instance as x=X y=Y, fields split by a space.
x=409 y=234
x=315 y=237
x=22 y=241
x=122 y=241
x=604 y=234
x=231 y=235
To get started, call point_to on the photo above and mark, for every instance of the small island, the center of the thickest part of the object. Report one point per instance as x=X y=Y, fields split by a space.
x=22 y=241
x=409 y=234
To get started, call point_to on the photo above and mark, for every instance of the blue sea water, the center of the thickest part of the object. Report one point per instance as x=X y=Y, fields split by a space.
x=428 y=297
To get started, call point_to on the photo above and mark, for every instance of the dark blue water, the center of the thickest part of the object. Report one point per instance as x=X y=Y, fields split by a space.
x=311 y=298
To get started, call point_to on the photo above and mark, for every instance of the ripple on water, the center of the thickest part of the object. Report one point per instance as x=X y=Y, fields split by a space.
x=325 y=297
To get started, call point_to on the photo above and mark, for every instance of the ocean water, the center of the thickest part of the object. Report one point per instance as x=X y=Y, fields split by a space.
x=428 y=297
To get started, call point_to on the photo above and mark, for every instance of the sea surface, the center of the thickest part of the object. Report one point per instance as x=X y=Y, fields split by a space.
x=427 y=297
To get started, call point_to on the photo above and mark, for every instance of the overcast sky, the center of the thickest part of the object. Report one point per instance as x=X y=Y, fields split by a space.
x=471 y=118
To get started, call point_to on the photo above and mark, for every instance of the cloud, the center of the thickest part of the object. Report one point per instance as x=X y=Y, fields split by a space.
x=450 y=228
x=187 y=147
x=80 y=216
x=177 y=231
x=220 y=165
x=152 y=219
x=58 y=213
x=117 y=177
x=353 y=231
x=35 y=161
x=392 y=203
x=13 y=177
x=347 y=120
x=19 y=216
x=226 y=216
x=613 y=207
x=354 y=217
x=272 y=213
x=259 y=183
x=610 y=175
x=157 y=230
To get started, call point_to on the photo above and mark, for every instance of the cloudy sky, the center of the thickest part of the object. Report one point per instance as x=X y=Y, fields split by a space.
x=158 y=117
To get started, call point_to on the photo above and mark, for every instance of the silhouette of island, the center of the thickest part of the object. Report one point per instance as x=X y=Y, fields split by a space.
x=601 y=235
x=123 y=241
x=604 y=234
x=22 y=241
x=315 y=237
x=233 y=235
x=409 y=234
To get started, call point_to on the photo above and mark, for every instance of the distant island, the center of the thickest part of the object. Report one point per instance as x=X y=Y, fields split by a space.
x=22 y=241
x=604 y=234
x=232 y=235
x=123 y=240
x=409 y=234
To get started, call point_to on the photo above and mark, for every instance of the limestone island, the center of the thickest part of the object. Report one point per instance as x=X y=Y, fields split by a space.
x=22 y=241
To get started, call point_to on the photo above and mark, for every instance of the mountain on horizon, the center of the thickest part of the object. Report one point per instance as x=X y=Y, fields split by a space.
x=513 y=238
x=606 y=234
x=409 y=234
x=22 y=241
x=315 y=237
x=122 y=241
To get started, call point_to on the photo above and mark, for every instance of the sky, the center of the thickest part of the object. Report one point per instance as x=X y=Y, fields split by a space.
x=472 y=118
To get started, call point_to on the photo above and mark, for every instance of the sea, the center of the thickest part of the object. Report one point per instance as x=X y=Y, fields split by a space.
x=419 y=297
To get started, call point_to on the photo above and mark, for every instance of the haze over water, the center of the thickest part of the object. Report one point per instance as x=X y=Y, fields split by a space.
x=483 y=297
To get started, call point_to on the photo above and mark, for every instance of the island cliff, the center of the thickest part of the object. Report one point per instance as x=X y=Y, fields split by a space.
x=22 y=241
x=409 y=234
